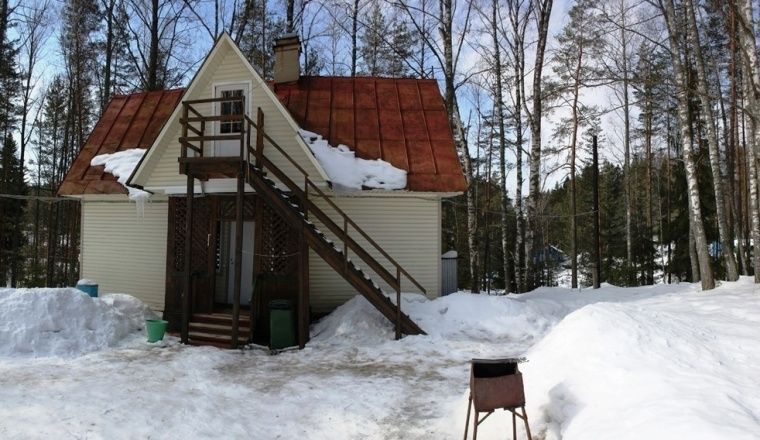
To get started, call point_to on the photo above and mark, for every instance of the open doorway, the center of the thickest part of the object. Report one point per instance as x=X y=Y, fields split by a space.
x=225 y=273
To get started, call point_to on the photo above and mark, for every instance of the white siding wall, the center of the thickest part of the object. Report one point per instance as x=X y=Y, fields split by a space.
x=123 y=252
x=408 y=228
x=226 y=67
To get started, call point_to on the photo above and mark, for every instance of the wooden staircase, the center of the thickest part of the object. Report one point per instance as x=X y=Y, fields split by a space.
x=296 y=207
x=216 y=329
x=288 y=207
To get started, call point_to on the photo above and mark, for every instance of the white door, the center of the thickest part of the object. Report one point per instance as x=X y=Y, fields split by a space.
x=246 y=284
x=224 y=108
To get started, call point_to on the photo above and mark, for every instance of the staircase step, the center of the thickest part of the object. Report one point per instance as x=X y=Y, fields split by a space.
x=220 y=318
x=216 y=338
x=221 y=329
x=330 y=251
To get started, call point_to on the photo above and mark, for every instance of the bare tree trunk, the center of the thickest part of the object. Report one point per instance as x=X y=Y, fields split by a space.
x=735 y=172
x=518 y=17
x=597 y=267
x=354 y=35
x=682 y=92
x=533 y=241
x=754 y=191
x=105 y=95
x=3 y=19
x=648 y=183
x=732 y=272
x=472 y=212
x=751 y=86
x=289 y=15
x=693 y=258
x=505 y=245
x=152 y=67
x=573 y=204
x=627 y=153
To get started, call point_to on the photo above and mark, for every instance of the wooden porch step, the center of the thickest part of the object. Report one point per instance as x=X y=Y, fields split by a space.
x=215 y=329
x=220 y=329
x=220 y=319
x=201 y=338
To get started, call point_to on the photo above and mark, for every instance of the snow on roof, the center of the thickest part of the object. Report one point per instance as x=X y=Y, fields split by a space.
x=129 y=121
x=346 y=170
x=400 y=120
x=121 y=164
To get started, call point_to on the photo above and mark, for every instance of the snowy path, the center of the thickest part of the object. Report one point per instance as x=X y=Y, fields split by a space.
x=354 y=382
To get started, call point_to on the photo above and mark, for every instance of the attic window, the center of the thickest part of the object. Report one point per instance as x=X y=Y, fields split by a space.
x=231 y=108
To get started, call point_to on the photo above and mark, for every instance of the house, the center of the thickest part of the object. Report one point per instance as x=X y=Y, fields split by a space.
x=253 y=191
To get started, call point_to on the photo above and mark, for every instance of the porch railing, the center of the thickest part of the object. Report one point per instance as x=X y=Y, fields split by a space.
x=253 y=154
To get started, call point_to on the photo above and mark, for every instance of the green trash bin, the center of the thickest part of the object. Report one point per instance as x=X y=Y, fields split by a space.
x=282 y=324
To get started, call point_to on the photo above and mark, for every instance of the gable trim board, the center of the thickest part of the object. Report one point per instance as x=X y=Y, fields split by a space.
x=224 y=47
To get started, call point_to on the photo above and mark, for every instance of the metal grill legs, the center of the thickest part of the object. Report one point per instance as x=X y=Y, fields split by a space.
x=477 y=420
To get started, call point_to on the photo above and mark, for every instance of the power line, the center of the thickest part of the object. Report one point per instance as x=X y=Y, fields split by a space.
x=514 y=214
x=50 y=199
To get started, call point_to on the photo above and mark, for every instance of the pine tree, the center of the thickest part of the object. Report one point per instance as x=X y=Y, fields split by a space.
x=12 y=219
x=372 y=42
x=385 y=49
x=258 y=36
x=575 y=63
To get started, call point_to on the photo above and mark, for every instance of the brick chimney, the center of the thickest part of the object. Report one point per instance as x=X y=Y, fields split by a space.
x=287 y=66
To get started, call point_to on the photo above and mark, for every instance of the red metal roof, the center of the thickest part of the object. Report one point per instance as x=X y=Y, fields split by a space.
x=129 y=121
x=402 y=121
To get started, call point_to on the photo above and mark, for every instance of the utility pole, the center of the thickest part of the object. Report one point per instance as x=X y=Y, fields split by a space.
x=597 y=272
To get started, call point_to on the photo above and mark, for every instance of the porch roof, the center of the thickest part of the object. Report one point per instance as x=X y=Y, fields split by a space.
x=129 y=121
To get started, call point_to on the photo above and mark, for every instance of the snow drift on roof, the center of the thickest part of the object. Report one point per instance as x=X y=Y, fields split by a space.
x=346 y=170
x=121 y=164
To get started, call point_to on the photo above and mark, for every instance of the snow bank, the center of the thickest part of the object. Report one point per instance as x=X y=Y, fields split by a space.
x=121 y=164
x=355 y=322
x=346 y=170
x=66 y=321
x=521 y=318
x=672 y=367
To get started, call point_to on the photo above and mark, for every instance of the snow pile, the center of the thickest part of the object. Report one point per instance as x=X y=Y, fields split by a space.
x=357 y=321
x=464 y=316
x=676 y=366
x=121 y=164
x=65 y=321
x=346 y=170
x=661 y=362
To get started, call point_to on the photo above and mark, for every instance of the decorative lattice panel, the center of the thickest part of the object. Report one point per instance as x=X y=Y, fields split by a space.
x=201 y=214
x=227 y=209
x=279 y=246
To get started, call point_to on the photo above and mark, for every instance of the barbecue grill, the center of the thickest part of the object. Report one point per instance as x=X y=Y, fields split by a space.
x=496 y=384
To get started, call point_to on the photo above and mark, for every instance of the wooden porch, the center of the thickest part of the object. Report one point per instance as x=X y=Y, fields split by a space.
x=288 y=201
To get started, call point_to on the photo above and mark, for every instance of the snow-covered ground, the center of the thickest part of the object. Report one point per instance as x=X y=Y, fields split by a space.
x=663 y=362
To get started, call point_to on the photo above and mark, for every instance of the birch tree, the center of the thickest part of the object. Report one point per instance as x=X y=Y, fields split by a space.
x=679 y=60
x=575 y=64
x=706 y=101
x=446 y=50
x=743 y=12
x=519 y=12
x=542 y=10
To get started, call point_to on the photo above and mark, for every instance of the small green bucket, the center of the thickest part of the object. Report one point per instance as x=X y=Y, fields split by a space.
x=156 y=329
